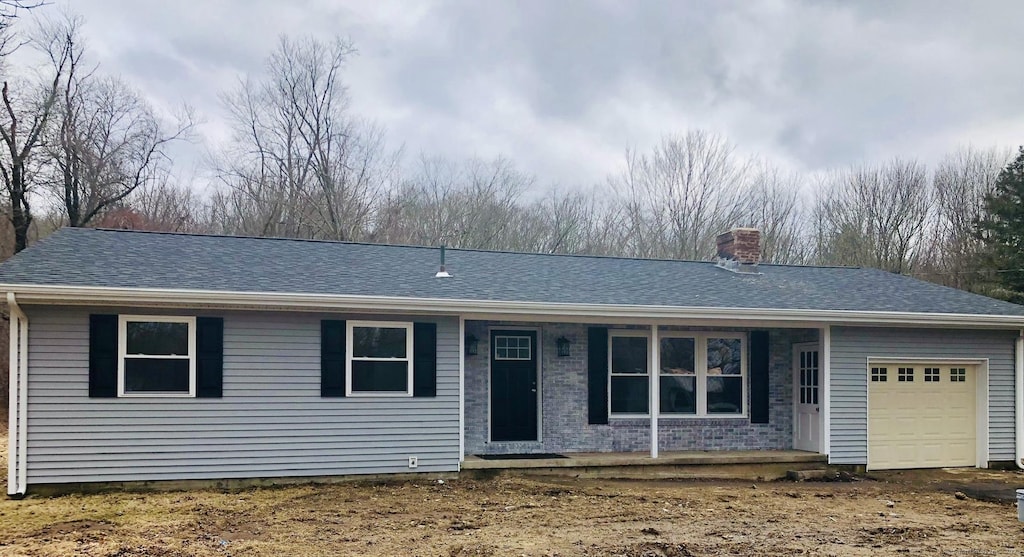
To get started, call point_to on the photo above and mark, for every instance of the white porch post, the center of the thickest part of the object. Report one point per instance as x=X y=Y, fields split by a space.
x=462 y=390
x=826 y=389
x=655 y=395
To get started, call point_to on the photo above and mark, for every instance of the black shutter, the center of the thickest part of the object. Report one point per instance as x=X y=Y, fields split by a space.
x=103 y=356
x=759 y=364
x=332 y=358
x=424 y=360
x=597 y=375
x=209 y=357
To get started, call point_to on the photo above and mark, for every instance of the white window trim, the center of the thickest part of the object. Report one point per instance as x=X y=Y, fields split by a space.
x=628 y=333
x=700 y=339
x=349 y=358
x=122 y=348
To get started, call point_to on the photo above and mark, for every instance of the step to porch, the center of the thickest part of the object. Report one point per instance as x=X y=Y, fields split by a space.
x=748 y=465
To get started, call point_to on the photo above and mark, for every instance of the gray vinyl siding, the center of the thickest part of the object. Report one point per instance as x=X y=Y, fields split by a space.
x=271 y=421
x=852 y=346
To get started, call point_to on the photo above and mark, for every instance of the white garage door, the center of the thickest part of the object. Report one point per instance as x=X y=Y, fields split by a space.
x=921 y=416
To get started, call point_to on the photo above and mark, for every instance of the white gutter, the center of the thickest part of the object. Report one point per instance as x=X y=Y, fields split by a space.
x=1019 y=410
x=17 y=439
x=83 y=295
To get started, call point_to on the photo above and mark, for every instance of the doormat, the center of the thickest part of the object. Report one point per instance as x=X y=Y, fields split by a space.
x=520 y=456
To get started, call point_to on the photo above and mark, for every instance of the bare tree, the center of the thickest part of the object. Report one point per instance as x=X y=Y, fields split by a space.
x=961 y=181
x=772 y=205
x=299 y=163
x=874 y=216
x=168 y=206
x=106 y=142
x=25 y=119
x=680 y=196
x=10 y=11
x=472 y=204
x=571 y=222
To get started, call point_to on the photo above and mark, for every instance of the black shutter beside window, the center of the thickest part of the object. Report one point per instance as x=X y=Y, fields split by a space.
x=597 y=375
x=102 y=356
x=760 y=362
x=209 y=357
x=332 y=358
x=424 y=361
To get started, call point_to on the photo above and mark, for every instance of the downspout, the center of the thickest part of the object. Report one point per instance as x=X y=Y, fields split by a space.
x=18 y=410
x=1019 y=410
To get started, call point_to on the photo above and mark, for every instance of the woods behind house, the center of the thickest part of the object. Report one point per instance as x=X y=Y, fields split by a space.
x=84 y=148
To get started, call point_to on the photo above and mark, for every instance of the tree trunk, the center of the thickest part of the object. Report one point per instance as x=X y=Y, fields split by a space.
x=21 y=217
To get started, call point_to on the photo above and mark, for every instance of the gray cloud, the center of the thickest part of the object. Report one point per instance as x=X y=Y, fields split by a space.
x=564 y=87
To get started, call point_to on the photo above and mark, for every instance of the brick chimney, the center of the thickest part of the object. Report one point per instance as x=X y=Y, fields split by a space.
x=740 y=249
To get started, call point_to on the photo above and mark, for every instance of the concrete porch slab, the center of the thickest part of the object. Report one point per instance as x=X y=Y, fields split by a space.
x=676 y=458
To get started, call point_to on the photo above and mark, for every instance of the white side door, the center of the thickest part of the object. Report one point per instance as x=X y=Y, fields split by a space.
x=807 y=426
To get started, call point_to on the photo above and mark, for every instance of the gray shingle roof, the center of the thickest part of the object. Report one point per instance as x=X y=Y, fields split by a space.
x=109 y=258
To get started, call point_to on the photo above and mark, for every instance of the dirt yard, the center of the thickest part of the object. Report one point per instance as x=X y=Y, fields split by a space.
x=900 y=514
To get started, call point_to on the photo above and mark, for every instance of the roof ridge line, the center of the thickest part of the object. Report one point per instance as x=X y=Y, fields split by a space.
x=450 y=249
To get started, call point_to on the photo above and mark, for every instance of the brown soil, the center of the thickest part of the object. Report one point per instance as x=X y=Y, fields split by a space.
x=895 y=515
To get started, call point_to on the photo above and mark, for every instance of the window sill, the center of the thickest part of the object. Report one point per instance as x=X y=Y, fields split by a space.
x=358 y=394
x=680 y=417
x=703 y=416
x=156 y=395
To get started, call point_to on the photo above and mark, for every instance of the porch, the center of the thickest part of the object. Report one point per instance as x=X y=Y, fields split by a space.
x=668 y=394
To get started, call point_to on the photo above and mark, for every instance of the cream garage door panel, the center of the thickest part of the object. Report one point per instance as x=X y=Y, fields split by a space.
x=921 y=416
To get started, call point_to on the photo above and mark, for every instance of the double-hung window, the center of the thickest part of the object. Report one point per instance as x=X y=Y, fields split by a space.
x=157 y=356
x=700 y=374
x=630 y=373
x=678 y=382
x=725 y=374
x=379 y=361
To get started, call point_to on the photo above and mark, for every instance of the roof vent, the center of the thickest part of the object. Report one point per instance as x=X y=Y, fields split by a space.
x=442 y=273
x=739 y=250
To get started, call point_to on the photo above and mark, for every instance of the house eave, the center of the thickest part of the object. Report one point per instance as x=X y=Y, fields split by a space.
x=29 y=294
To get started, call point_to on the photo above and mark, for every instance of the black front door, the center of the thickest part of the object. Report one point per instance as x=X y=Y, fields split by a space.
x=513 y=385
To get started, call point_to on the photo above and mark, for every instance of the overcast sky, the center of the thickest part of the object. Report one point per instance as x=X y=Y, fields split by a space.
x=564 y=87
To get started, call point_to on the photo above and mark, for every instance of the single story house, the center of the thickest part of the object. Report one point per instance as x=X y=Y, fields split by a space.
x=159 y=356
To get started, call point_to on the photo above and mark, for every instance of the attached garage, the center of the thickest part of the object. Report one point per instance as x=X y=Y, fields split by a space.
x=923 y=414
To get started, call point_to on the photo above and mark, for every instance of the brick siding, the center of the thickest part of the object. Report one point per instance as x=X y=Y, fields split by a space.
x=563 y=392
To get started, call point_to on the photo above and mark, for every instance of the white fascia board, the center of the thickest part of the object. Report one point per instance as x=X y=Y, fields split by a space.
x=151 y=297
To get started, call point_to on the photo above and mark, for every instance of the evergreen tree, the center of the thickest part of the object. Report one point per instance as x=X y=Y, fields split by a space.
x=1002 y=230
